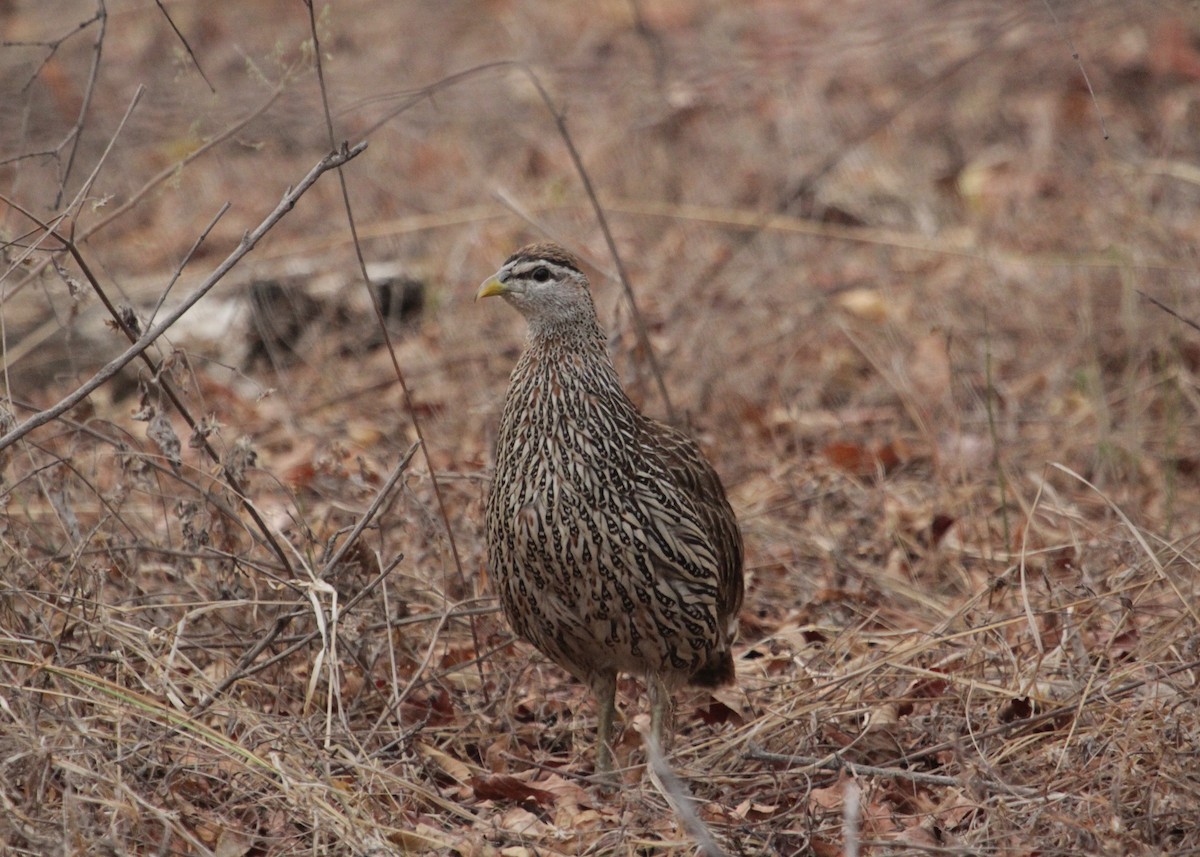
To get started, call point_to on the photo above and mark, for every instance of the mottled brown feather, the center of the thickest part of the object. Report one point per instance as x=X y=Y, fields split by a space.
x=609 y=534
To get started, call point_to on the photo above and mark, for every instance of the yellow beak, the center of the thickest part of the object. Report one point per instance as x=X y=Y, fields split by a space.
x=491 y=287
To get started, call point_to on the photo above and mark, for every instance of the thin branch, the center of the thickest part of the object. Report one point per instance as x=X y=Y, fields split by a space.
x=161 y=176
x=187 y=257
x=413 y=98
x=231 y=479
x=86 y=187
x=248 y=242
x=654 y=43
x=75 y=203
x=991 y=396
x=173 y=169
x=1162 y=306
x=835 y=762
x=369 y=515
x=53 y=47
x=1068 y=709
x=246 y=666
x=643 y=334
x=409 y=402
x=186 y=46
x=76 y=133
x=1087 y=81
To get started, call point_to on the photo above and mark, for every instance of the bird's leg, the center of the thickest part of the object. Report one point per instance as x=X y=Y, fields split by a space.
x=662 y=712
x=604 y=688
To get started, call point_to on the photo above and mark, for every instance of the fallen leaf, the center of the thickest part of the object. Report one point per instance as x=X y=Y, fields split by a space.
x=867 y=304
x=232 y=843
x=521 y=821
x=504 y=787
x=449 y=765
x=717 y=712
x=860 y=460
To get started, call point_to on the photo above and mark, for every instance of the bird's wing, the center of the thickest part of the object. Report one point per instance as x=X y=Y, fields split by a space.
x=695 y=478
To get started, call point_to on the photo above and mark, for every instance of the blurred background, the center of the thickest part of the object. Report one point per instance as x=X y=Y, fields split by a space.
x=921 y=278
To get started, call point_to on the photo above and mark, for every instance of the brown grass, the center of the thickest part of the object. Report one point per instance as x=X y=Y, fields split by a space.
x=895 y=275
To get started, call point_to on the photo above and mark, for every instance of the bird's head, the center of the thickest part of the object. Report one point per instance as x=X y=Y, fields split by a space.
x=544 y=283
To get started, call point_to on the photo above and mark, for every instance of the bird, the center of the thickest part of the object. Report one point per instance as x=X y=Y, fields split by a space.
x=609 y=535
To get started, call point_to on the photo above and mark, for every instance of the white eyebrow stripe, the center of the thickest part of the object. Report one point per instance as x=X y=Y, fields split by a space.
x=530 y=265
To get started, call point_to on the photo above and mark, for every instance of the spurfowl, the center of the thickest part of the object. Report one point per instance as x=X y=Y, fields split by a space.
x=608 y=534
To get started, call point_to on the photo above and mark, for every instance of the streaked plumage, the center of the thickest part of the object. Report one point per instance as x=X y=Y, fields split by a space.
x=609 y=535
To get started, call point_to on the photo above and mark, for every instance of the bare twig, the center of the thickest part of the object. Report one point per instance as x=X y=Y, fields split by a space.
x=161 y=176
x=86 y=187
x=1070 y=709
x=643 y=334
x=173 y=169
x=1162 y=306
x=186 y=46
x=1087 y=81
x=409 y=402
x=834 y=762
x=187 y=257
x=991 y=396
x=163 y=383
x=248 y=242
x=365 y=519
x=412 y=98
x=52 y=46
x=76 y=133
x=246 y=665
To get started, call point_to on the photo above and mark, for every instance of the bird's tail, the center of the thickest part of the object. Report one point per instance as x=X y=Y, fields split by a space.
x=717 y=671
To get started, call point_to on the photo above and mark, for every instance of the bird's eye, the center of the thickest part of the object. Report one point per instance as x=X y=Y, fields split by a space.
x=541 y=273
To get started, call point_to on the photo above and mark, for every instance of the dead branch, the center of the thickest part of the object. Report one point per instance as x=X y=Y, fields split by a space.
x=248 y=242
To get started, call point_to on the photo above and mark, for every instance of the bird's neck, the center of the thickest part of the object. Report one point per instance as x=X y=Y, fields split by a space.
x=569 y=350
x=575 y=327
x=566 y=335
